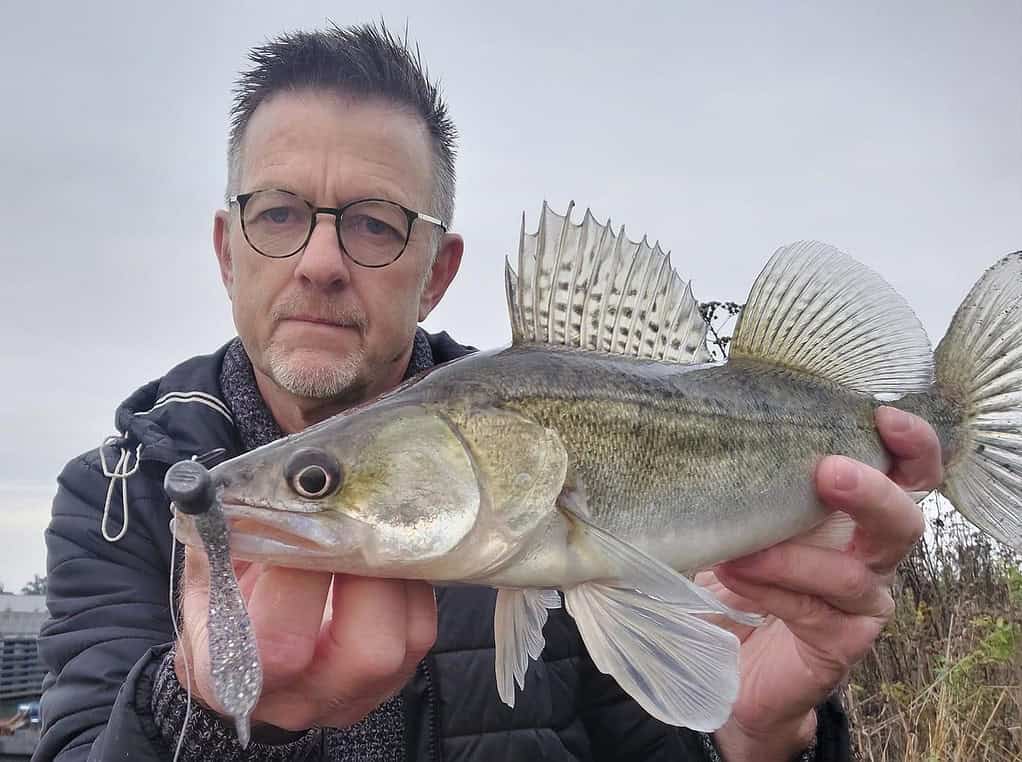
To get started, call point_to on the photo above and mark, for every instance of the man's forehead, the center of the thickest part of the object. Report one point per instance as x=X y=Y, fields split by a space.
x=375 y=130
x=277 y=115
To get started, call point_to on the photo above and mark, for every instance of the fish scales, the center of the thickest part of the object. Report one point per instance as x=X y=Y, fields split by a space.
x=676 y=458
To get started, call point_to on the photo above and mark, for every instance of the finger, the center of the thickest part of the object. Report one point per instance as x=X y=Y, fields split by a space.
x=365 y=647
x=840 y=579
x=835 y=640
x=191 y=657
x=248 y=574
x=421 y=623
x=914 y=443
x=708 y=580
x=286 y=608
x=358 y=654
x=368 y=634
x=888 y=522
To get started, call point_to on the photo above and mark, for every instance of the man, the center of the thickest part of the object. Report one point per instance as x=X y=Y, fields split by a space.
x=329 y=127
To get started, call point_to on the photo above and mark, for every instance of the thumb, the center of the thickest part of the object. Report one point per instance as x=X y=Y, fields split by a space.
x=191 y=657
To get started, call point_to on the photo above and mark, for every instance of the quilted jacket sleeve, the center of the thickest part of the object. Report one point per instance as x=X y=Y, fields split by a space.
x=109 y=621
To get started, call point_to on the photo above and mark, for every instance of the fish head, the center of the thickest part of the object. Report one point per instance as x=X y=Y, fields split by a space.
x=377 y=492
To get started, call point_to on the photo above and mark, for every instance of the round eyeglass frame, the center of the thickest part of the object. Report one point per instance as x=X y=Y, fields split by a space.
x=241 y=199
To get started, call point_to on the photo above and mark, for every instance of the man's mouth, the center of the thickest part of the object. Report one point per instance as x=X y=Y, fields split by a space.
x=315 y=320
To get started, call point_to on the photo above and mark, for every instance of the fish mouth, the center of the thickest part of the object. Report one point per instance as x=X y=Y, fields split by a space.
x=261 y=534
x=261 y=531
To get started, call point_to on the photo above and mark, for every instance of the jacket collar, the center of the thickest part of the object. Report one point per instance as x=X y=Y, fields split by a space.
x=181 y=415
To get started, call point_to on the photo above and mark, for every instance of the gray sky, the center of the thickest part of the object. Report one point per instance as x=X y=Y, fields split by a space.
x=891 y=130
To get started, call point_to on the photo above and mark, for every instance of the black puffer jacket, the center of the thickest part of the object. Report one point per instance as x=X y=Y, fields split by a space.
x=110 y=622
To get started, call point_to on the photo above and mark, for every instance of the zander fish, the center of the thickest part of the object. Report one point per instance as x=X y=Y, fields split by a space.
x=603 y=456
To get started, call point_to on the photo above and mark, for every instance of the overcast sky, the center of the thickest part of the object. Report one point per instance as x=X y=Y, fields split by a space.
x=892 y=130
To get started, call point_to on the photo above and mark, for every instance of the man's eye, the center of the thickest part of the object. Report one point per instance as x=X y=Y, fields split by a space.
x=278 y=215
x=372 y=227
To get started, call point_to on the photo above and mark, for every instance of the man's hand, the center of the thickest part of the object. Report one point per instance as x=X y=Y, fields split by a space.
x=317 y=671
x=826 y=607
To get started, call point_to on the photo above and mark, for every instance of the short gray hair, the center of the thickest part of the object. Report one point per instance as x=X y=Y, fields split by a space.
x=365 y=61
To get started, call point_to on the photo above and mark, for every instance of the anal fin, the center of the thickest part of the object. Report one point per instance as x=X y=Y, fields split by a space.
x=643 y=629
x=642 y=572
x=678 y=667
x=518 y=635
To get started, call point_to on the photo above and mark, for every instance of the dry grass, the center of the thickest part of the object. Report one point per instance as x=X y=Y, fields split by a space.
x=944 y=681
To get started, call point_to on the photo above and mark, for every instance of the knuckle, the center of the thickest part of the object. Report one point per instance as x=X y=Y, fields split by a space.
x=382 y=659
x=421 y=639
x=886 y=608
x=836 y=664
x=285 y=655
x=888 y=492
x=809 y=609
x=856 y=582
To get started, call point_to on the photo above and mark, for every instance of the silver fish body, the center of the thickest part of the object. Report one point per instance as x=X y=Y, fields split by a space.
x=693 y=464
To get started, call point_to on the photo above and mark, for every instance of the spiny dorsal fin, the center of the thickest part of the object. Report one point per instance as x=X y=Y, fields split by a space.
x=817 y=310
x=581 y=285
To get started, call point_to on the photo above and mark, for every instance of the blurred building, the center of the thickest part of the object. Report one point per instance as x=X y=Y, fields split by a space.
x=21 y=672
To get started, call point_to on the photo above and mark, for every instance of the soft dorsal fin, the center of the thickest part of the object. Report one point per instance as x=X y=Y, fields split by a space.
x=815 y=309
x=581 y=285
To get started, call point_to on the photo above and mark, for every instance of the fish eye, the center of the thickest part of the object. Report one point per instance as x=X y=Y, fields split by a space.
x=312 y=473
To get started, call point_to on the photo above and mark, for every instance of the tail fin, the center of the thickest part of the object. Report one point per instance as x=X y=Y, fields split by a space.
x=979 y=370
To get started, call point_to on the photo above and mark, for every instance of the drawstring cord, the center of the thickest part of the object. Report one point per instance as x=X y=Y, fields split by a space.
x=121 y=472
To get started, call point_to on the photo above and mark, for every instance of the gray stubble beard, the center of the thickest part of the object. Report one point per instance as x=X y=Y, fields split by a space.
x=340 y=379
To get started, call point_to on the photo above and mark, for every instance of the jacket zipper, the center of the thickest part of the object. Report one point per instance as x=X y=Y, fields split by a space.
x=431 y=701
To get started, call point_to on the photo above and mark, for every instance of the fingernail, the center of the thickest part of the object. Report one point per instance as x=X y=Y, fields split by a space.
x=894 y=419
x=846 y=475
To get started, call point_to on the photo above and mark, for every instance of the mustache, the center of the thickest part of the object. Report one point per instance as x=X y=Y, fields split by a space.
x=304 y=305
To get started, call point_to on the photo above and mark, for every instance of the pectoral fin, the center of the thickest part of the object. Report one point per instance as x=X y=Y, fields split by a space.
x=642 y=572
x=518 y=635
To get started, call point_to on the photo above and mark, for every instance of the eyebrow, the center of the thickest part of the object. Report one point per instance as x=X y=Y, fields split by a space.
x=283 y=186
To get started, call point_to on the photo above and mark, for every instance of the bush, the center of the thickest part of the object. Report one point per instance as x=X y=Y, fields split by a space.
x=944 y=681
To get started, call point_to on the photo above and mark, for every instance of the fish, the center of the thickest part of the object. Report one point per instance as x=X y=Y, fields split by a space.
x=603 y=458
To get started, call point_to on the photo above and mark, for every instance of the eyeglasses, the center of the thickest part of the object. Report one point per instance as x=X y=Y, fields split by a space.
x=373 y=232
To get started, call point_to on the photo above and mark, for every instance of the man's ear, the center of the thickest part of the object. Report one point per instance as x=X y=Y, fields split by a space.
x=445 y=267
x=222 y=248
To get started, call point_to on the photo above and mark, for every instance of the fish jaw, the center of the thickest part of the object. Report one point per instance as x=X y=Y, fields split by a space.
x=276 y=537
x=258 y=534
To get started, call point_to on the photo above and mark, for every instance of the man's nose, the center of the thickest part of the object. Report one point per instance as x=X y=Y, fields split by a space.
x=322 y=262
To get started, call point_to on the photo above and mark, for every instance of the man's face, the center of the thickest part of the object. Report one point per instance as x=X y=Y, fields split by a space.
x=317 y=324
